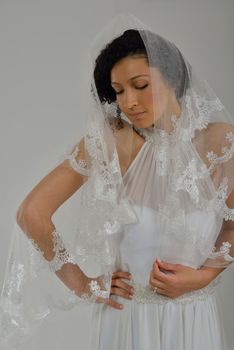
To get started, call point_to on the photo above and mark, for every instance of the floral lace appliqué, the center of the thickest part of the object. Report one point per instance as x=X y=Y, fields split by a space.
x=220 y=202
x=107 y=170
x=81 y=165
x=187 y=181
x=164 y=143
x=222 y=253
x=195 y=118
x=227 y=153
x=96 y=289
x=61 y=256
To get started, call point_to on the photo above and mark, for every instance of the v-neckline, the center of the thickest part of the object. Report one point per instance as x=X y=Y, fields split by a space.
x=135 y=159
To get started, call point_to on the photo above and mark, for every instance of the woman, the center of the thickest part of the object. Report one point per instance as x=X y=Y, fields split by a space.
x=156 y=168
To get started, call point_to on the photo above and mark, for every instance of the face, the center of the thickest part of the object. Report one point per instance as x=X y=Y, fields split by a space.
x=131 y=80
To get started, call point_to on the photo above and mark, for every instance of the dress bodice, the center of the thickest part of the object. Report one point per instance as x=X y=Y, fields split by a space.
x=142 y=242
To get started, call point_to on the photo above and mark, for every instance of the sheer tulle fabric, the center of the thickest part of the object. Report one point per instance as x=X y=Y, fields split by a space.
x=182 y=171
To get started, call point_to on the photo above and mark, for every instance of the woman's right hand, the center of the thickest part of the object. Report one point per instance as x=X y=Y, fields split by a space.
x=121 y=288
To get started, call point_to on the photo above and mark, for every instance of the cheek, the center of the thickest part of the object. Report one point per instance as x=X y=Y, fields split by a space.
x=147 y=100
x=119 y=101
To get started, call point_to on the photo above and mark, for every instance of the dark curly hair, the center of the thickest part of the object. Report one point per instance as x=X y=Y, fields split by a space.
x=168 y=60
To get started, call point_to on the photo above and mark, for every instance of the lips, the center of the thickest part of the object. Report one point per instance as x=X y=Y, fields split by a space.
x=139 y=115
x=136 y=114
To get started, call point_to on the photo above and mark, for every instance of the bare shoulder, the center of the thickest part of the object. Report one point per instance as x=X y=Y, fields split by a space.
x=219 y=128
x=216 y=136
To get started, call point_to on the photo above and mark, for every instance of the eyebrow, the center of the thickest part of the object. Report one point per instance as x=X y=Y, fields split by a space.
x=137 y=76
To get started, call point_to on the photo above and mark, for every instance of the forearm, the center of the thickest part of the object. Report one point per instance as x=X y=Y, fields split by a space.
x=209 y=273
x=218 y=263
x=226 y=236
x=40 y=229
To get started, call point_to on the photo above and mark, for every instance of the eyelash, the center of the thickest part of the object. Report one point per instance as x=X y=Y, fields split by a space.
x=138 y=88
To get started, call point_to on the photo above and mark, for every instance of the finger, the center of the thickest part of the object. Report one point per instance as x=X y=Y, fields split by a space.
x=114 y=304
x=155 y=283
x=161 y=292
x=168 y=266
x=121 y=274
x=159 y=275
x=121 y=284
x=121 y=292
x=158 y=290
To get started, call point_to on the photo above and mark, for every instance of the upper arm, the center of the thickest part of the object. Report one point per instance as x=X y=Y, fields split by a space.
x=52 y=191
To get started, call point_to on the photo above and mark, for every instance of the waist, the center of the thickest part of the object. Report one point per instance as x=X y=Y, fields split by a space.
x=145 y=294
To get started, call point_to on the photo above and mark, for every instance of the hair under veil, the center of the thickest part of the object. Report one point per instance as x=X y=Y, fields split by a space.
x=193 y=178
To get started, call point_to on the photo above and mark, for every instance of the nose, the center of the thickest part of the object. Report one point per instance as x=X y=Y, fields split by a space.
x=130 y=99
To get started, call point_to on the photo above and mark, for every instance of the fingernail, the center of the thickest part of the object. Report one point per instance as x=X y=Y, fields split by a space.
x=121 y=307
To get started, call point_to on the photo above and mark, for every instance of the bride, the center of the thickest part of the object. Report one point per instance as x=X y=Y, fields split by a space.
x=155 y=214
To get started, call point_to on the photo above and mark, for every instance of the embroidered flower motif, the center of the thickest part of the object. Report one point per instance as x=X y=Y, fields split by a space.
x=107 y=171
x=62 y=256
x=230 y=136
x=206 y=107
x=188 y=180
x=197 y=118
x=164 y=143
x=81 y=165
x=223 y=253
x=112 y=227
x=227 y=153
x=96 y=289
x=211 y=156
x=94 y=286
x=220 y=202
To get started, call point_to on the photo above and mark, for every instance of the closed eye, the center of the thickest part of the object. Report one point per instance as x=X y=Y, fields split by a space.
x=137 y=87
x=141 y=87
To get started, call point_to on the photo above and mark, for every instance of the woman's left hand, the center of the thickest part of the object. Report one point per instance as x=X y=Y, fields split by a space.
x=173 y=280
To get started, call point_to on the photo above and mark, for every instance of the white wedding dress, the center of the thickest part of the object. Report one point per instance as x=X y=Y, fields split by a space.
x=150 y=321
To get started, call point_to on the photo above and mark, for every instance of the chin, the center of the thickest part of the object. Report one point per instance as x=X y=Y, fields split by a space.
x=143 y=124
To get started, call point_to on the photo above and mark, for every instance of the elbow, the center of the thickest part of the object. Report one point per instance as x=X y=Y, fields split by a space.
x=31 y=216
x=22 y=214
x=27 y=218
x=18 y=215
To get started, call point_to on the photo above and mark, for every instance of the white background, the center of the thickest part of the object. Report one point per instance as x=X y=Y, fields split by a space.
x=44 y=47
